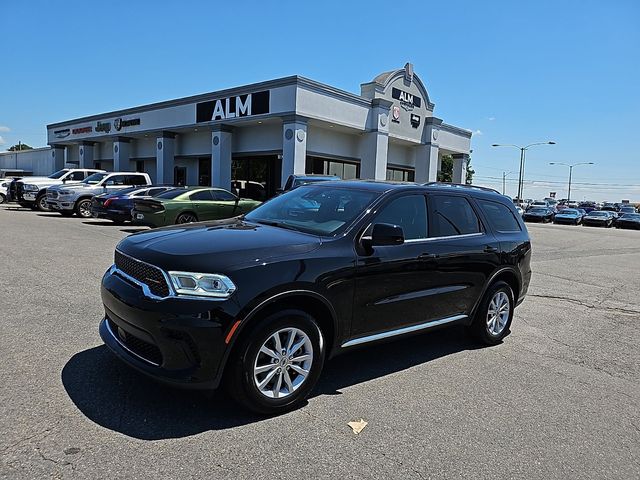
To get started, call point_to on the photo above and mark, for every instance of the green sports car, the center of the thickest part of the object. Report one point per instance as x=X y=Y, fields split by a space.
x=186 y=205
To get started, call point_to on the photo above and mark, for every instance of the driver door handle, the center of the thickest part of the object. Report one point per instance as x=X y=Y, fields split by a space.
x=490 y=249
x=427 y=256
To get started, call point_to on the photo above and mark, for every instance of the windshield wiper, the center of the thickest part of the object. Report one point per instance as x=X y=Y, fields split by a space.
x=275 y=223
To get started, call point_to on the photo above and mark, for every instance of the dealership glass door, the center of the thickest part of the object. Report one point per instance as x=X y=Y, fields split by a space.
x=256 y=177
x=204 y=171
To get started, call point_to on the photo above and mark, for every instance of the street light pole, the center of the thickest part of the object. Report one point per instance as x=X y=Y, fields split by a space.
x=570 y=173
x=523 y=151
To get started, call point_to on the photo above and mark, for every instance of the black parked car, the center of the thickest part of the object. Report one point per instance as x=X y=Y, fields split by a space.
x=539 y=214
x=598 y=218
x=261 y=301
x=117 y=206
x=629 y=220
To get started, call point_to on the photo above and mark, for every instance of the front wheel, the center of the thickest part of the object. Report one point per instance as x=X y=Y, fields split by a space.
x=83 y=208
x=275 y=366
x=41 y=203
x=493 y=318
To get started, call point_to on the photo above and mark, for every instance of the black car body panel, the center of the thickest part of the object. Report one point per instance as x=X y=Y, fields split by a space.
x=355 y=293
x=538 y=214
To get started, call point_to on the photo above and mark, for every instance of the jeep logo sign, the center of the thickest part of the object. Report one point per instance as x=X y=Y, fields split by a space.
x=233 y=107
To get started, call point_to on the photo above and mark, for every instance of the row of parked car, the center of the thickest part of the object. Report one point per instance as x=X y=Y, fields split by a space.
x=123 y=197
x=619 y=215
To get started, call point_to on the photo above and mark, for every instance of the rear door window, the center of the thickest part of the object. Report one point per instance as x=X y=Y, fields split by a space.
x=500 y=217
x=136 y=180
x=223 y=196
x=452 y=215
x=201 y=195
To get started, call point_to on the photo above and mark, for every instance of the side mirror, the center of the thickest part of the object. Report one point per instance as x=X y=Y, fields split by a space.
x=384 y=234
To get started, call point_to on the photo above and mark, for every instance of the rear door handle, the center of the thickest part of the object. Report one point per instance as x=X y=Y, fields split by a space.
x=427 y=256
x=490 y=249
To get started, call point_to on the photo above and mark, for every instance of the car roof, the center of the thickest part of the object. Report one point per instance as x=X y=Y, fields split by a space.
x=388 y=185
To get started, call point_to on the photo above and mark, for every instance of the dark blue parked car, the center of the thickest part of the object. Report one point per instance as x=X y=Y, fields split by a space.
x=117 y=206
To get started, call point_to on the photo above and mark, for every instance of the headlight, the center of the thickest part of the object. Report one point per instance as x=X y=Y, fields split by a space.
x=202 y=284
x=65 y=192
x=31 y=188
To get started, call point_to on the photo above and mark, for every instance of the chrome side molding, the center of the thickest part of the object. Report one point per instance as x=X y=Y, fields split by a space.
x=402 y=331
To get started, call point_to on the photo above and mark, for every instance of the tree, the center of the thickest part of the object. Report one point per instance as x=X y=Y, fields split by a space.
x=446 y=170
x=20 y=146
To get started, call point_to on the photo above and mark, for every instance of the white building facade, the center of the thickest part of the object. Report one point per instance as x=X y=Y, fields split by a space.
x=262 y=133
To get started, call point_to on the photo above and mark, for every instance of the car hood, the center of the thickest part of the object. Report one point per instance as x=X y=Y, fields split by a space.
x=216 y=247
x=39 y=181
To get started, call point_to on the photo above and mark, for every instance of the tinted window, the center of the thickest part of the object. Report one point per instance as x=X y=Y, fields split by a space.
x=58 y=174
x=152 y=192
x=410 y=213
x=499 y=216
x=201 y=195
x=136 y=180
x=173 y=193
x=95 y=178
x=76 y=176
x=223 y=196
x=453 y=216
x=116 y=180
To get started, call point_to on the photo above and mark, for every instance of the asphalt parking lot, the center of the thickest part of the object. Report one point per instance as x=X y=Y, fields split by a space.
x=560 y=398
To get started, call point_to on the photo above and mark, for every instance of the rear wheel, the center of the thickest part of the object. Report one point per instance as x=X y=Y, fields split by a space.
x=493 y=318
x=83 y=208
x=274 y=367
x=186 y=218
x=41 y=203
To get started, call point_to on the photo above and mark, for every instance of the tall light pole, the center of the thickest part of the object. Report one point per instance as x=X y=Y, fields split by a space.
x=570 y=173
x=523 y=151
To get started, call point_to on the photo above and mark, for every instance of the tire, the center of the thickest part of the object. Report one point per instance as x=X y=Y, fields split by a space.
x=41 y=203
x=243 y=383
x=186 y=218
x=83 y=208
x=487 y=331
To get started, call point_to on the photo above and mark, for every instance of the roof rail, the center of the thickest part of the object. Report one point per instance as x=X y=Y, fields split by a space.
x=460 y=185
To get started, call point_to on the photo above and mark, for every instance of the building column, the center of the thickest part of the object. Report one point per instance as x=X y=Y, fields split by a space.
x=294 y=147
x=375 y=143
x=459 y=168
x=427 y=163
x=121 y=154
x=221 y=156
x=57 y=153
x=86 y=155
x=165 y=158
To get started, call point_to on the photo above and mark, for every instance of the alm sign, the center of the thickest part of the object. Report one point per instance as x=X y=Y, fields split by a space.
x=233 y=107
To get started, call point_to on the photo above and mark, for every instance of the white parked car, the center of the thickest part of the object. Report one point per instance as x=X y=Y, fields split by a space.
x=4 y=185
x=31 y=191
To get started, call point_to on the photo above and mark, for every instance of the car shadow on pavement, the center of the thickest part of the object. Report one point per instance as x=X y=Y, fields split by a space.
x=118 y=398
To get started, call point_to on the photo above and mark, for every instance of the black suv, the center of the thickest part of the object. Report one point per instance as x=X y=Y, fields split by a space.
x=261 y=301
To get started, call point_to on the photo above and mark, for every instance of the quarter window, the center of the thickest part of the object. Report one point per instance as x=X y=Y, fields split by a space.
x=452 y=215
x=408 y=212
x=500 y=216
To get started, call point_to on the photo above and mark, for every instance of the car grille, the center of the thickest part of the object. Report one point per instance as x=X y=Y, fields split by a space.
x=143 y=349
x=151 y=276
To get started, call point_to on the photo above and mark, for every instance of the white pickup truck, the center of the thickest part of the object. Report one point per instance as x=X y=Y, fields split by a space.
x=31 y=191
x=70 y=199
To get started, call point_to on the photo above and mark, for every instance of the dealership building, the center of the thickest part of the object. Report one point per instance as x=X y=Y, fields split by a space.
x=259 y=134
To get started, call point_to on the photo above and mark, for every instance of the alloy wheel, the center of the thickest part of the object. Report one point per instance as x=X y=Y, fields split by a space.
x=85 y=209
x=498 y=313
x=42 y=204
x=187 y=218
x=283 y=363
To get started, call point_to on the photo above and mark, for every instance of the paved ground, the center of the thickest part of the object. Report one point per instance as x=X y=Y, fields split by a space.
x=559 y=399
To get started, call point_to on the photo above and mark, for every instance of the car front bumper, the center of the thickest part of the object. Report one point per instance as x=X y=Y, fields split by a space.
x=61 y=204
x=174 y=340
x=595 y=223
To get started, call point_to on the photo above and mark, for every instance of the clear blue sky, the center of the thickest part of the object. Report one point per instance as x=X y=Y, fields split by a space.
x=567 y=71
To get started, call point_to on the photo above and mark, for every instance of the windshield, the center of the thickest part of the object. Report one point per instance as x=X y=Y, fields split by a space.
x=632 y=216
x=59 y=173
x=313 y=209
x=568 y=211
x=94 y=179
x=538 y=210
x=598 y=214
x=172 y=193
